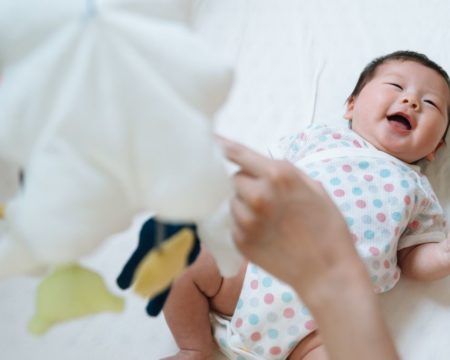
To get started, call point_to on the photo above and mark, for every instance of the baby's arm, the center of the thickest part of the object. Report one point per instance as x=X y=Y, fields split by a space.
x=430 y=261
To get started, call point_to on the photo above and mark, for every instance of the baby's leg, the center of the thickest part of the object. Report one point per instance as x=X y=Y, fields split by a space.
x=310 y=348
x=188 y=306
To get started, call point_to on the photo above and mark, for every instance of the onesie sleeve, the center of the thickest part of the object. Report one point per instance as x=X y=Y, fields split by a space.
x=429 y=224
x=289 y=147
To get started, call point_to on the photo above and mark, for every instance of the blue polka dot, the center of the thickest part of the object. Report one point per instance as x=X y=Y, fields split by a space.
x=366 y=219
x=363 y=165
x=345 y=143
x=352 y=178
x=335 y=181
x=404 y=184
x=240 y=304
x=369 y=234
x=273 y=334
x=286 y=297
x=416 y=199
x=267 y=281
x=253 y=319
x=222 y=342
x=323 y=138
x=254 y=269
x=396 y=216
x=356 y=191
x=314 y=174
x=373 y=189
x=385 y=173
x=374 y=278
x=377 y=203
x=305 y=311
x=331 y=169
x=349 y=221
x=387 y=248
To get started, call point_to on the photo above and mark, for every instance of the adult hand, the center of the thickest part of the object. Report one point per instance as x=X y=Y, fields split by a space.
x=284 y=221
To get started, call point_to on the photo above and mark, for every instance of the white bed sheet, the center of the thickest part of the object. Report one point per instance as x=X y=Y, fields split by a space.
x=296 y=61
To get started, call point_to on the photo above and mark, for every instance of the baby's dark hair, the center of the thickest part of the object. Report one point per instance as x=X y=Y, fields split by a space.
x=403 y=55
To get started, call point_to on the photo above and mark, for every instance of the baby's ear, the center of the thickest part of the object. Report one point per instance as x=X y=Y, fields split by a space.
x=349 y=108
x=431 y=156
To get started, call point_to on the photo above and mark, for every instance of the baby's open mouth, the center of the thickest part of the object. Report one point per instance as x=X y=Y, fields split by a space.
x=400 y=120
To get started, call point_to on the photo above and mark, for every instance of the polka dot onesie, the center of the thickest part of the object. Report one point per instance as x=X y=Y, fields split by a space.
x=388 y=205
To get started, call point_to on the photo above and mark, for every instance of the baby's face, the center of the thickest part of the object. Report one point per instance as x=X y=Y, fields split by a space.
x=402 y=110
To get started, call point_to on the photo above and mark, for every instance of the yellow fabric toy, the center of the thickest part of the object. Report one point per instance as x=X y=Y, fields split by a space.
x=70 y=292
x=169 y=259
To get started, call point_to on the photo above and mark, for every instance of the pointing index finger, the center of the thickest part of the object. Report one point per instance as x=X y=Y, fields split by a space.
x=249 y=160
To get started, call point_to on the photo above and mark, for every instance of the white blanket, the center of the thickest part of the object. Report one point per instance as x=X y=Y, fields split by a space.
x=295 y=62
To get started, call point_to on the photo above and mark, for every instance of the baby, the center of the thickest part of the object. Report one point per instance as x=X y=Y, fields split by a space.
x=398 y=114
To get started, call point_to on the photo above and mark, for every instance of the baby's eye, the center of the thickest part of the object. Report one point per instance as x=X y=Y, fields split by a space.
x=396 y=85
x=431 y=103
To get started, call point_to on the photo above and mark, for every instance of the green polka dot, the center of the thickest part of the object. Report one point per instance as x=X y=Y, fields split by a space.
x=366 y=219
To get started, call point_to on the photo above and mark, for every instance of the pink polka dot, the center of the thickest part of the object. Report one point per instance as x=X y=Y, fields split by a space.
x=336 y=136
x=238 y=322
x=381 y=217
x=389 y=188
x=339 y=192
x=254 y=284
x=275 y=350
x=396 y=275
x=268 y=298
x=354 y=237
x=347 y=168
x=357 y=144
x=414 y=225
x=256 y=336
x=407 y=200
x=361 y=204
x=368 y=177
x=386 y=264
x=310 y=325
x=374 y=251
x=289 y=313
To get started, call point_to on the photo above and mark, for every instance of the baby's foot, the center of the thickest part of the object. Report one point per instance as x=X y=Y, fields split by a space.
x=191 y=355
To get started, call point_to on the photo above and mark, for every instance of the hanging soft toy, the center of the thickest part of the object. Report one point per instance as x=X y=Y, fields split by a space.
x=107 y=107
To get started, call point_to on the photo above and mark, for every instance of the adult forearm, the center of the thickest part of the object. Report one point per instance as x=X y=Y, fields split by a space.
x=346 y=301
